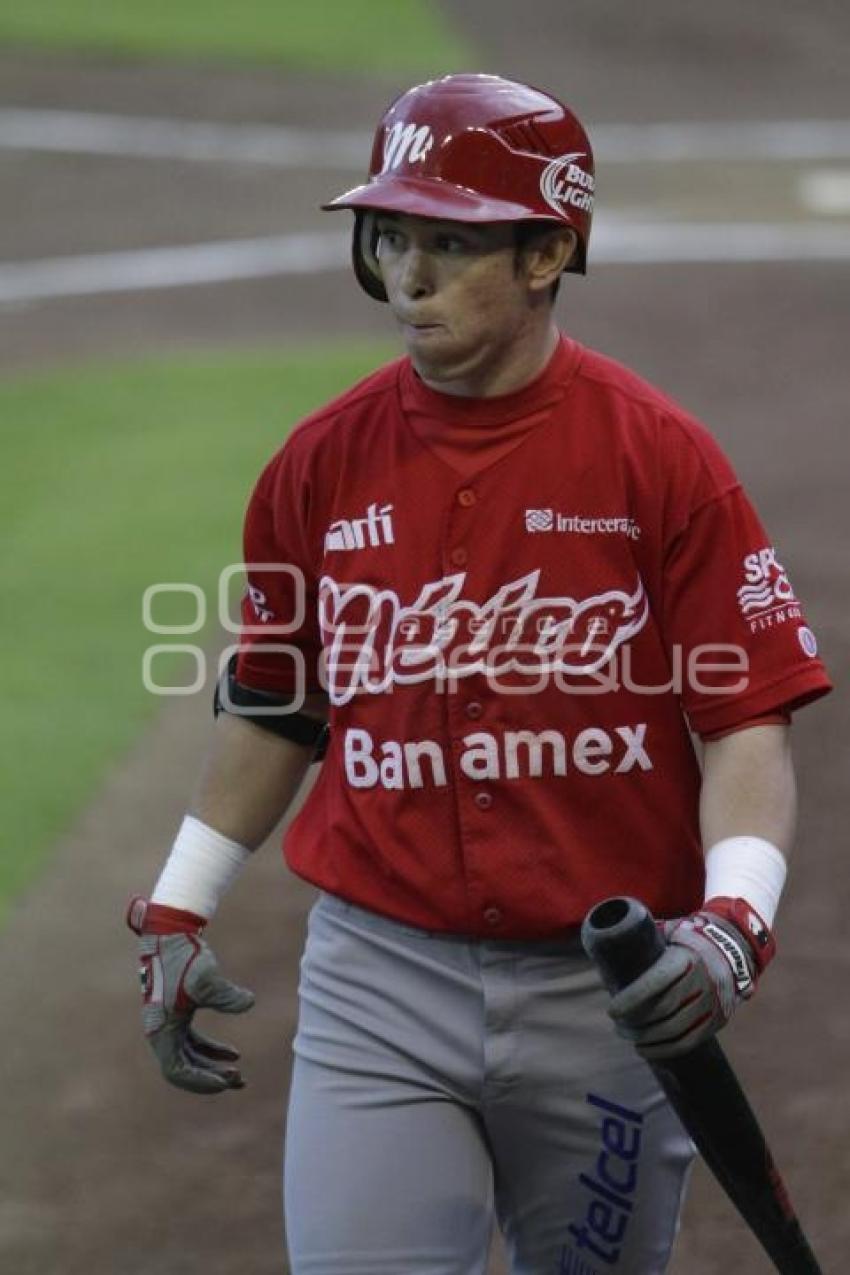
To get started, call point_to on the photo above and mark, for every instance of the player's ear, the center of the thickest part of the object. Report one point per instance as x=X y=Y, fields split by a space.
x=547 y=255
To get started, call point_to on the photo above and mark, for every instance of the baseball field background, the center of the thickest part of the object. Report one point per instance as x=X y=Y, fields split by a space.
x=171 y=301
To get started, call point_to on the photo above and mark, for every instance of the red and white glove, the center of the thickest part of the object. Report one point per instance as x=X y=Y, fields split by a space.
x=712 y=962
x=179 y=974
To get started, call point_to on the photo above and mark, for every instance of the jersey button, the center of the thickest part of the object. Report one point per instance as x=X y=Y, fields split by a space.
x=458 y=557
x=493 y=916
x=483 y=800
x=474 y=710
x=466 y=497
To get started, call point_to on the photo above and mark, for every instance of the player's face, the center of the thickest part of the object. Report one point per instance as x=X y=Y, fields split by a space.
x=464 y=304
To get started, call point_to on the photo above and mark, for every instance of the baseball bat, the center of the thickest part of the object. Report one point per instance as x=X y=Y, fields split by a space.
x=620 y=935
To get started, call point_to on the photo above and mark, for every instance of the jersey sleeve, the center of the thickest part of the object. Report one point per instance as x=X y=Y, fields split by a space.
x=736 y=633
x=279 y=643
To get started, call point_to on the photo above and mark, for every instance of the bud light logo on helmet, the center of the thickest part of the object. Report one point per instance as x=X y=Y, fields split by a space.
x=566 y=184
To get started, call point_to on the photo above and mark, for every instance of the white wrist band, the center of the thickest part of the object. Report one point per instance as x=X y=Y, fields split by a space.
x=746 y=868
x=201 y=867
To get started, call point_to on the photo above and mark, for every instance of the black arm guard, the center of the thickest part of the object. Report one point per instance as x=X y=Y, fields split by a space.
x=244 y=701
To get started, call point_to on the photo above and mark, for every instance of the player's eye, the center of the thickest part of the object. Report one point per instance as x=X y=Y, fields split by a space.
x=389 y=239
x=452 y=244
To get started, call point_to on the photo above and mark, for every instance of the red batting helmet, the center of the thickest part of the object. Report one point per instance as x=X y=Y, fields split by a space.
x=473 y=148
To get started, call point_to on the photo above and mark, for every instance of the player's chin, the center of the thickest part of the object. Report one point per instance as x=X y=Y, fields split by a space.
x=435 y=352
x=440 y=345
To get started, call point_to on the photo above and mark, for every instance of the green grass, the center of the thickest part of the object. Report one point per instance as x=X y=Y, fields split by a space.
x=384 y=36
x=113 y=479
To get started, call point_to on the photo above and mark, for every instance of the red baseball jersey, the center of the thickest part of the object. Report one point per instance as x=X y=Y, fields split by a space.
x=518 y=607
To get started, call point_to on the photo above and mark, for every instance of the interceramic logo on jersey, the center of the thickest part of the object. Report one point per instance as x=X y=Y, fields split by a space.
x=374 y=528
x=541 y=520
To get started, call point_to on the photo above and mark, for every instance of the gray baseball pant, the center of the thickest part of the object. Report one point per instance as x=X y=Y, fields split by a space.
x=440 y=1083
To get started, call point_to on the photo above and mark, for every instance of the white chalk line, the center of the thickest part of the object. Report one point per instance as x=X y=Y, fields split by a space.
x=693 y=242
x=139 y=270
x=140 y=137
x=225 y=261
x=825 y=191
x=805 y=141
x=81 y=132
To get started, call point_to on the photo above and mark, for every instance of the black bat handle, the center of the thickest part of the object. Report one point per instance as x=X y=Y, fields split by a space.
x=621 y=937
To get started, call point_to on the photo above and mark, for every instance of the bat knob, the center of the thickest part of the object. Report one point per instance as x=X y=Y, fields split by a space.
x=620 y=936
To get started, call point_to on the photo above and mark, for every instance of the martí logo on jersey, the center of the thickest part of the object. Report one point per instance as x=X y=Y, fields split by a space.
x=374 y=528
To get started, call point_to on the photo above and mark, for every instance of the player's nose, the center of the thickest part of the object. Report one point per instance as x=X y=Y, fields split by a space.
x=417 y=275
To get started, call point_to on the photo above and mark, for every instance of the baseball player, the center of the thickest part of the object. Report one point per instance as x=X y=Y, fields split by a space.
x=557 y=655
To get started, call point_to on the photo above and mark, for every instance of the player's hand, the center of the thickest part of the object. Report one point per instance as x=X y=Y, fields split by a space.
x=712 y=962
x=179 y=975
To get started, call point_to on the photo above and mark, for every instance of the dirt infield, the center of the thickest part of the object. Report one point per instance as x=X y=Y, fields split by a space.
x=104 y=1169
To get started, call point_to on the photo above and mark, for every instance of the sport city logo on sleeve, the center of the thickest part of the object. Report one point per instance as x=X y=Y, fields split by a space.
x=767 y=600
x=606 y=1194
x=766 y=596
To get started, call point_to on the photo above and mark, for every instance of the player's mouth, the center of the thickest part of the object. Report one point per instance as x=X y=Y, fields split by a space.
x=421 y=329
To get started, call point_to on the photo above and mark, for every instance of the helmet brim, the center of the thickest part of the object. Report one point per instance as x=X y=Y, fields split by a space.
x=431 y=197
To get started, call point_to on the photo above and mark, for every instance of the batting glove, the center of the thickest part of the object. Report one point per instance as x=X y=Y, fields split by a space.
x=712 y=962
x=179 y=974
